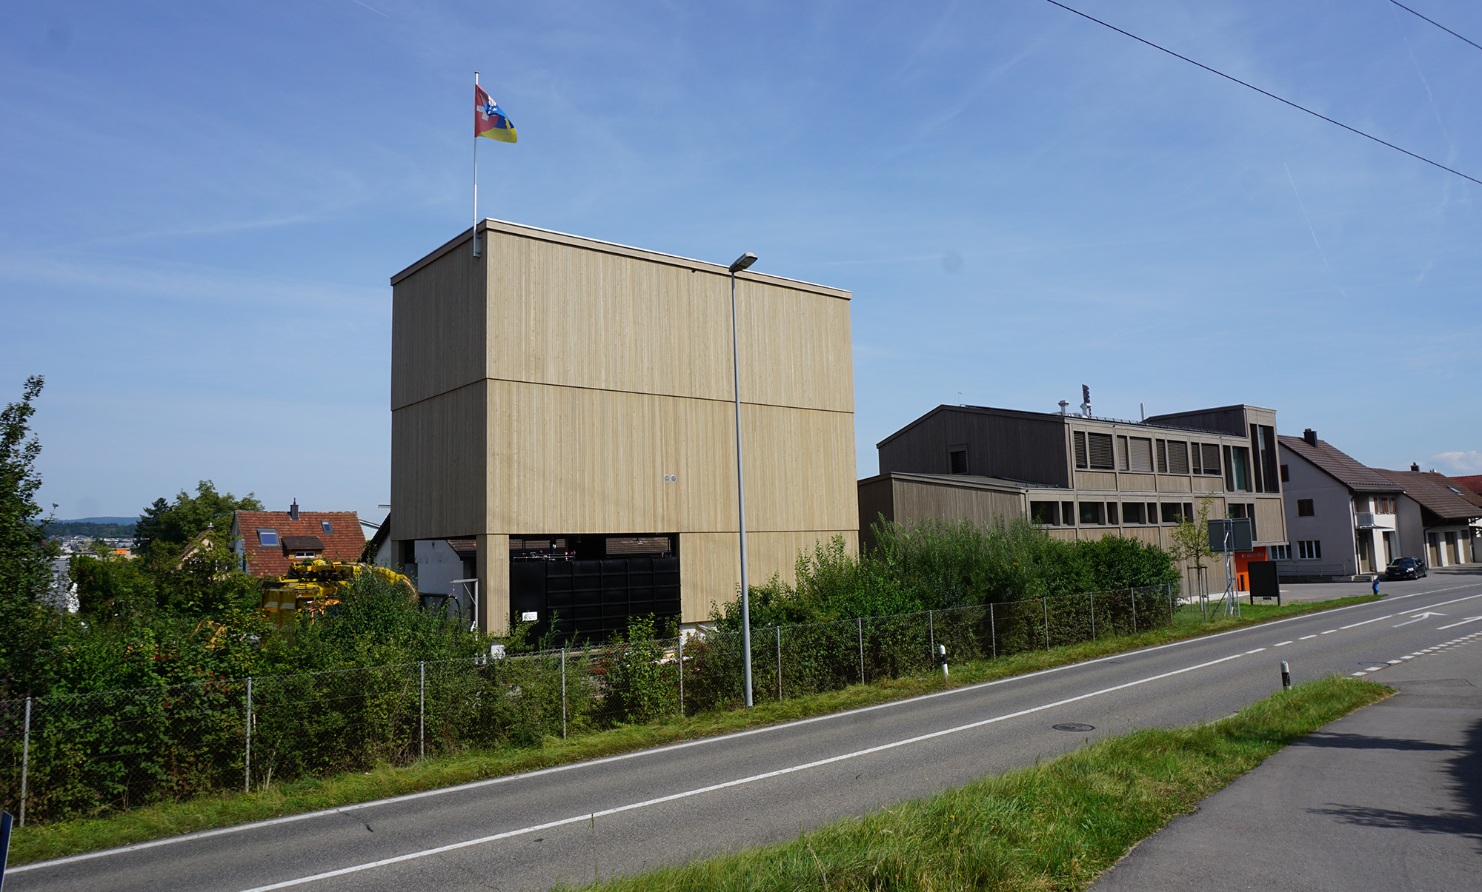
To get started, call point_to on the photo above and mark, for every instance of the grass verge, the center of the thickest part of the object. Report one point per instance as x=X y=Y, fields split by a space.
x=43 y=842
x=1057 y=825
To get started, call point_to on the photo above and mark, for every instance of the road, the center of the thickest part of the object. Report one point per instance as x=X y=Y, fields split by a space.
x=630 y=813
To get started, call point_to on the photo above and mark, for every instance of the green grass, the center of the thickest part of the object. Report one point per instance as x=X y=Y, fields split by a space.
x=1057 y=825
x=36 y=843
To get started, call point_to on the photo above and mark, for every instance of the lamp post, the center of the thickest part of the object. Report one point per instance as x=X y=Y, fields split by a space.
x=742 y=262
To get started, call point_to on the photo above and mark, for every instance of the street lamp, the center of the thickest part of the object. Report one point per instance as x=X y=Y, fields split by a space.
x=742 y=262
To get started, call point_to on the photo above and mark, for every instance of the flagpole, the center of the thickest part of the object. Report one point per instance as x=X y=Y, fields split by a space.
x=476 y=251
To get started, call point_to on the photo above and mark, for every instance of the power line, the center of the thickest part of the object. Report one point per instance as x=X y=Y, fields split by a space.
x=1434 y=22
x=1266 y=93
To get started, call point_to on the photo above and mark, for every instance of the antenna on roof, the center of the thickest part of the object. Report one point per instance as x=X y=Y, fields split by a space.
x=1086 y=400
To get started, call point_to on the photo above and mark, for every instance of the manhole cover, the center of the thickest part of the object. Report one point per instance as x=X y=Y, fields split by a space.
x=1073 y=726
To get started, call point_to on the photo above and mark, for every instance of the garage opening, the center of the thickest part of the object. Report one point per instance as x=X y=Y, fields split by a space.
x=586 y=588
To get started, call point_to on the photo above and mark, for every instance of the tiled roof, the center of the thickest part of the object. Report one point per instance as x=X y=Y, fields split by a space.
x=343 y=541
x=1472 y=482
x=1346 y=470
x=1437 y=493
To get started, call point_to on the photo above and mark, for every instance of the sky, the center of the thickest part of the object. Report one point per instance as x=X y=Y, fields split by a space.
x=201 y=205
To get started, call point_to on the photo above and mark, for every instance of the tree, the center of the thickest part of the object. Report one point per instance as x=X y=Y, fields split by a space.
x=1191 y=543
x=25 y=553
x=165 y=528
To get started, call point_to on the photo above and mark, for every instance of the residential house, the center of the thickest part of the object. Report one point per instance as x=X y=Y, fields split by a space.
x=1438 y=520
x=269 y=541
x=1079 y=476
x=1342 y=516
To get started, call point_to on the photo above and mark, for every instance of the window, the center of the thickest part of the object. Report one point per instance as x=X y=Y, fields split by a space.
x=1097 y=451
x=957 y=460
x=1279 y=552
x=1247 y=511
x=324 y=525
x=1304 y=508
x=1286 y=476
x=1139 y=454
x=1178 y=457
x=1237 y=474
x=1309 y=549
x=1111 y=513
x=1171 y=513
x=1093 y=513
x=1206 y=458
x=1045 y=513
x=304 y=555
x=1067 y=513
x=267 y=537
x=1162 y=454
x=1134 y=512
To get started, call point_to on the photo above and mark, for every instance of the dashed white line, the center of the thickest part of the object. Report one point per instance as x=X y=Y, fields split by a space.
x=1282 y=643
x=1329 y=632
x=1305 y=637
x=1256 y=651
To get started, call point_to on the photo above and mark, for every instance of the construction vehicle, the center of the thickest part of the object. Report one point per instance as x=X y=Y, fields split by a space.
x=313 y=587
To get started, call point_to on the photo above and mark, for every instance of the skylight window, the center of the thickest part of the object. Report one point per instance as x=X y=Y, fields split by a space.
x=324 y=525
x=267 y=537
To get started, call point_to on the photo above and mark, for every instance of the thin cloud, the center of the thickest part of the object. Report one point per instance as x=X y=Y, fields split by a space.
x=1461 y=462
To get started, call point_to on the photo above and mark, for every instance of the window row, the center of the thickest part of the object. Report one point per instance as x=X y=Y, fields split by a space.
x=1095 y=451
x=1069 y=514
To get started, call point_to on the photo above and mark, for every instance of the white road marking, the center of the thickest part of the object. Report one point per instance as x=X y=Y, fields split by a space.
x=1373 y=668
x=698 y=791
x=1419 y=618
x=1282 y=643
x=1366 y=622
x=1470 y=619
x=1256 y=651
x=1305 y=637
x=1328 y=632
x=1442 y=604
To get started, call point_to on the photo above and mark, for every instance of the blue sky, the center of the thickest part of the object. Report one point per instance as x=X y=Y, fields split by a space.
x=201 y=205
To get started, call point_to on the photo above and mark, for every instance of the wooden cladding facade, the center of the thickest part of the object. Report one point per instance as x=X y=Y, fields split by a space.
x=563 y=386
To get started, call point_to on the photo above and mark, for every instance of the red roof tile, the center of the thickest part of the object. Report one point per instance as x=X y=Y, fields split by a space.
x=343 y=541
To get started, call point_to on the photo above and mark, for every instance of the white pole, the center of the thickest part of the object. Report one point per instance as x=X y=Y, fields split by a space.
x=476 y=247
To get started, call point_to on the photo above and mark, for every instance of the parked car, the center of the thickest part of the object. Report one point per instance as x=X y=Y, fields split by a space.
x=1405 y=568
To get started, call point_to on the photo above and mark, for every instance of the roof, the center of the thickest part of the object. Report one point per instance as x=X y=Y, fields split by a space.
x=1337 y=464
x=1068 y=417
x=1437 y=494
x=1472 y=482
x=343 y=540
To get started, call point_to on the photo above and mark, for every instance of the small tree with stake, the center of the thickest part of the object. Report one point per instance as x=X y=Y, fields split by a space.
x=1191 y=547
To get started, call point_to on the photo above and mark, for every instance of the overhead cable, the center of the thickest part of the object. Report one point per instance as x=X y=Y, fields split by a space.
x=1434 y=22
x=1266 y=93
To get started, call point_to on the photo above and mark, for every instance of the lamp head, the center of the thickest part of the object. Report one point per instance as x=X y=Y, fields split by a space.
x=742 y=262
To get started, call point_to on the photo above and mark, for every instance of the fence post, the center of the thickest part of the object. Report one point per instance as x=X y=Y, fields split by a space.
x=859 y=622
x=1132 y=596
x=1168 y=590
x=779 y=662
x=422 y=709
x=680 y=651
x=993 y=631
x=563 y=693
x=931 y=640
x=1093 y=616
x=247 y=770
x=25 y=761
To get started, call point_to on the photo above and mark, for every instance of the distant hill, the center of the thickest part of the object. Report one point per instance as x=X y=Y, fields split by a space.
x=97 y=527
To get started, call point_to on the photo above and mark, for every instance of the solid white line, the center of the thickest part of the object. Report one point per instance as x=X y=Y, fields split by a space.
x=1366 y=622
x=1442 y=604
x=699 y=791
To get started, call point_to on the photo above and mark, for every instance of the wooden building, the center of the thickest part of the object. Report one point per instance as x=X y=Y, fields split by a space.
x=562 y=410
x=1079 y=476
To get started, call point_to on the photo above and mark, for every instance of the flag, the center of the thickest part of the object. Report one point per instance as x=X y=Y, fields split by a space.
x=489 y=119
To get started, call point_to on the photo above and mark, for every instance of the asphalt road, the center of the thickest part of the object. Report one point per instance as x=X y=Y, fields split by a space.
x=678 y=803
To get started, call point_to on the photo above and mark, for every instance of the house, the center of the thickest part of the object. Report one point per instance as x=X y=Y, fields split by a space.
x=1080 y=476
x=1342 y=515
x=1438 y=519
x=267 y=542
x=564 y=428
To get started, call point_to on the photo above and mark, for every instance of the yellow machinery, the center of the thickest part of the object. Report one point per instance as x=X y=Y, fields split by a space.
x=313 y=587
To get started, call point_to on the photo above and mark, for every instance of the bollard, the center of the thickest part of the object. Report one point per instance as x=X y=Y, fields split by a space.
x=942 y=656
x=1286 y=676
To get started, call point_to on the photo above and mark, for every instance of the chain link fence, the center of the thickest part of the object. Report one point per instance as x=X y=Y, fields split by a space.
x=67 y=756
